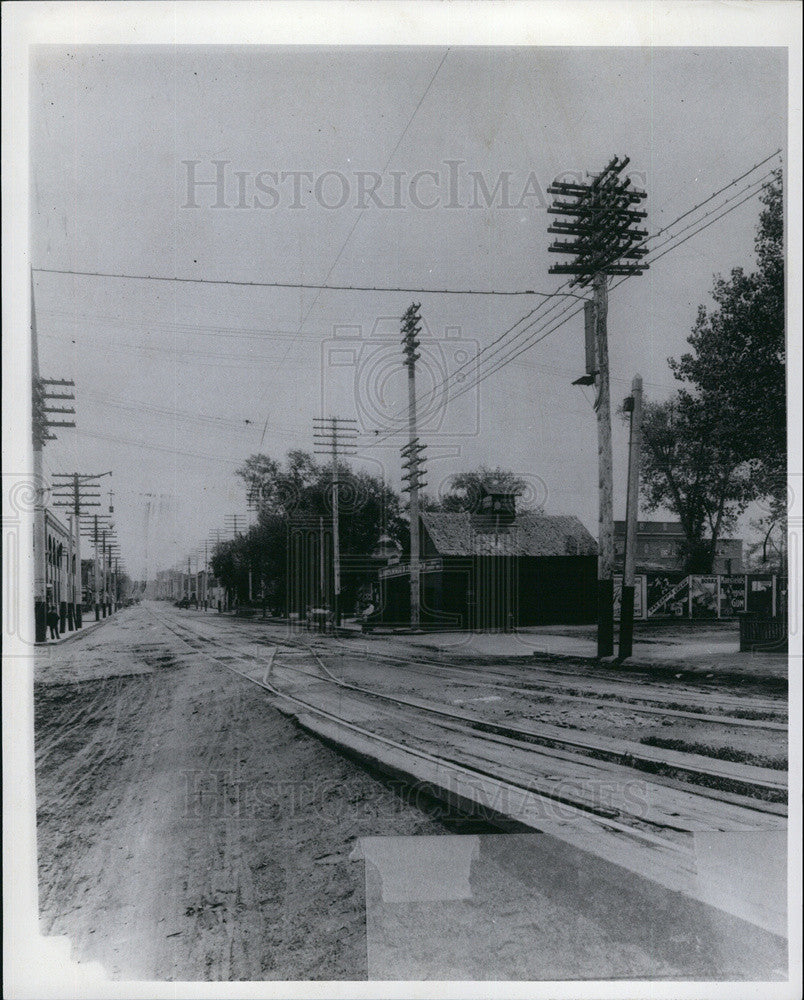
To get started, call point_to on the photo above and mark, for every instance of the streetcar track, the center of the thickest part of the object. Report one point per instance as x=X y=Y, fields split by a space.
x=581 y=749
x=587 y=813
x=497 y=681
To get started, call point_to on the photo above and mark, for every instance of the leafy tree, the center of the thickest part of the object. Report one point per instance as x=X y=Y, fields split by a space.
x=737 y=362
x=690 y=466
x=299 y=492
x=466 y=489
x=767 y=553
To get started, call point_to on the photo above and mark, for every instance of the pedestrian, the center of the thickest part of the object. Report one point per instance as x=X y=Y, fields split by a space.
x=53 y=622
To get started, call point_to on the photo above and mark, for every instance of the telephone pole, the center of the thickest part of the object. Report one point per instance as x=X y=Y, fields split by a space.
x=413 y=459
x=77 y=492
x=334 y=436
x=41 y=425
x=601 y=218
x=235 y=523
x=632 y=405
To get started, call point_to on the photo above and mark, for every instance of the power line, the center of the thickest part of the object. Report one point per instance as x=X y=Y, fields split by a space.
x=563 y=317
x=664 y=229
x=537 y=318
x=297 y=285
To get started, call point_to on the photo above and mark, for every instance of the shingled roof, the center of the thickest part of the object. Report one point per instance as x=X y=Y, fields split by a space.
x=529 y=535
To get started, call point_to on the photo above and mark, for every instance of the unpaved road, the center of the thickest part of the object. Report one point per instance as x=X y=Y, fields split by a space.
x=187 y=830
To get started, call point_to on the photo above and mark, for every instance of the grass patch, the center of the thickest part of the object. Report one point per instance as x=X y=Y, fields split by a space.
x=719 y=753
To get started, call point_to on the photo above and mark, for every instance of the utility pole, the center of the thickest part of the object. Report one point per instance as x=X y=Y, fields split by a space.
x=322 y=580
x=206 y=574
x=335 y=436
x=413 y=459
x=605 y=524
x=100 y=531
x=77 y=491
x=104 y=583
x=601 y=218
x=96 y=580
x=41 y=426
x=231 y=525
x=632 y=404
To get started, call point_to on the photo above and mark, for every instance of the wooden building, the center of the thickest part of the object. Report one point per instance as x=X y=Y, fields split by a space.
x=495 y=569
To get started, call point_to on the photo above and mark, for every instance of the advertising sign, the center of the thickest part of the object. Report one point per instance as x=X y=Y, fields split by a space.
x=732 y=596
x=666 y=597
x=639 y=586
x=703 y=596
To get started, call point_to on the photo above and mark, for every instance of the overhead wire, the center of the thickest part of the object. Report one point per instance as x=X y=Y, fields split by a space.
x=538 y=336
x=494 y=348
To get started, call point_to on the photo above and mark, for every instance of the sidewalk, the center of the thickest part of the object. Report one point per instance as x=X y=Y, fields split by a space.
x=711 y=652
x=88 y=626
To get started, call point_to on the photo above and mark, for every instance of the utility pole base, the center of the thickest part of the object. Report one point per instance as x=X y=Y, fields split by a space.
x=626 y=623
x=78 y=616
x=40 y=621
x=605 y=618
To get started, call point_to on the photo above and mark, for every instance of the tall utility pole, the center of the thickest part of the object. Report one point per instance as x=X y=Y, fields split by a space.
x=632 y=404
x=96 y=530
x=600 y=217
x=96 y=580
x=412 y=458
x=206 y=573
x=235 y=524
x=41 y=426
x=335 y=436
x=104 y=582
x=77 y=491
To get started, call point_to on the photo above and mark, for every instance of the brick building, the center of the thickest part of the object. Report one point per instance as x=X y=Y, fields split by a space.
x=660 y=548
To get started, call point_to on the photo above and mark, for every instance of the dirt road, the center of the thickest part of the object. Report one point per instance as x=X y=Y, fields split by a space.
x=187 y=830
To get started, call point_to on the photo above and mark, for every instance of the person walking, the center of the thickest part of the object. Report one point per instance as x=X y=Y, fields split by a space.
x=53 y=622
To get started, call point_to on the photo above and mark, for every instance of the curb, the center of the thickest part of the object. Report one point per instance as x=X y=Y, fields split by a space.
x=75 y=634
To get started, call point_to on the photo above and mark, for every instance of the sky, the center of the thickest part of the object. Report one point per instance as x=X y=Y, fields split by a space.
x=177 y=382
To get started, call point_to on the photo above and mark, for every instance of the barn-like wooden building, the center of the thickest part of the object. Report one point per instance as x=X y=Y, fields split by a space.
x=497 y=569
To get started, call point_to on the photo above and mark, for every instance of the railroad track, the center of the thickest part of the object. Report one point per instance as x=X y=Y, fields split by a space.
x=653 y=704
x=580 y=745
x=550 y=789
x=732 y=780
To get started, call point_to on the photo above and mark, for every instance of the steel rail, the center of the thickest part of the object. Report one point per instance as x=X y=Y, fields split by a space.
x=616 y=703
x=580 y=747
x=441 y=762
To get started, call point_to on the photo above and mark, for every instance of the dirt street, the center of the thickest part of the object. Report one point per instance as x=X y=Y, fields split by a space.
x=188 y=830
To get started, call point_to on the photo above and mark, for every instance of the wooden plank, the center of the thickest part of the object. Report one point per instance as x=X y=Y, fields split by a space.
x=668 y=865
x=748 y=774
x=555 y=771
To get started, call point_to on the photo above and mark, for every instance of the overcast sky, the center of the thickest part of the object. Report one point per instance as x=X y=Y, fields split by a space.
x=177 y=383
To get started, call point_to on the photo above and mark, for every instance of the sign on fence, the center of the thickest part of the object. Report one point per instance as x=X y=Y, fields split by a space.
x=703 y=597
x=639 y=595
x=732 y=596
x=667 y=597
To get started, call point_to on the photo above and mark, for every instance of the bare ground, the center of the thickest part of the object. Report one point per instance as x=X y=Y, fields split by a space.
x=187 y=830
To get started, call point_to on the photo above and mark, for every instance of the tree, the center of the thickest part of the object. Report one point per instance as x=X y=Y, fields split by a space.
x=690 y=466
x=298 y=493
x=466 y=489
x=737 y=362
